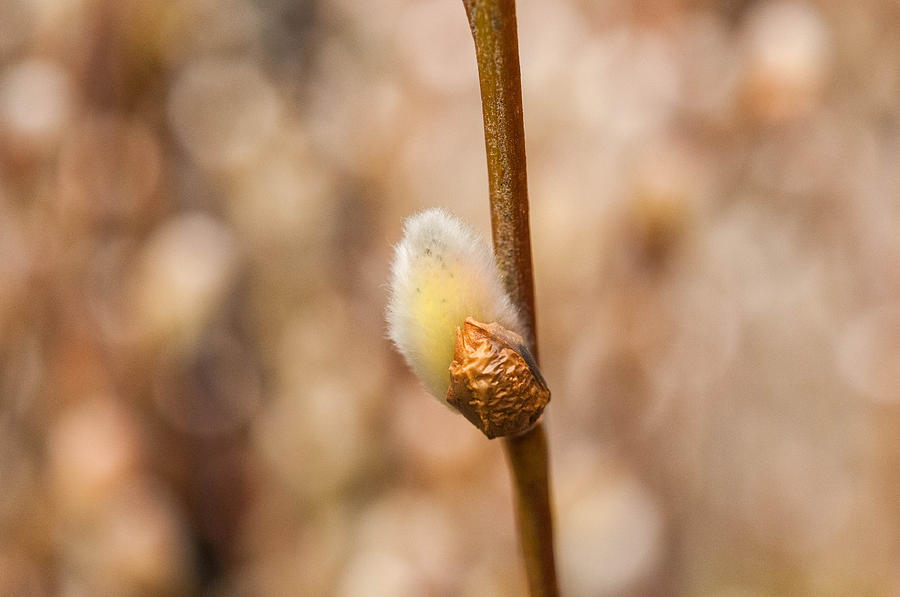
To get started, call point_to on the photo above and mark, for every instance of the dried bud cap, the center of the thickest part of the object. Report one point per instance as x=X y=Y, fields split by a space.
x=494 y=380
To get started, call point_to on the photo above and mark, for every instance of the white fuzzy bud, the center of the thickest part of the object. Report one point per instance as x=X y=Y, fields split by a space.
x=442 y=273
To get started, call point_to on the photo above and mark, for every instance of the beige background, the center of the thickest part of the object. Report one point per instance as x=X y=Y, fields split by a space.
x=198 y=200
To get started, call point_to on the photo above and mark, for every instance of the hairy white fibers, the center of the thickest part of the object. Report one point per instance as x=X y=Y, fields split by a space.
x=442 y=273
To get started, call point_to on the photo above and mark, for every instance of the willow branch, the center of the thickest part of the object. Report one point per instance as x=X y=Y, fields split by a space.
x=493 y=24
x=527 y=455
x=494 y=29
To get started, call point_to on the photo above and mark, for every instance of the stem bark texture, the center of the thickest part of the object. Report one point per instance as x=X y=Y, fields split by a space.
x=494 y=29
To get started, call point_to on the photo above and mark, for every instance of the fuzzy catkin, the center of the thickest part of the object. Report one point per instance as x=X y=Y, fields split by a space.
x=442 y=272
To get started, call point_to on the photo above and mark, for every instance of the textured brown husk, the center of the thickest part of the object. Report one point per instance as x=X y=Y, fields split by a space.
x=493 y=380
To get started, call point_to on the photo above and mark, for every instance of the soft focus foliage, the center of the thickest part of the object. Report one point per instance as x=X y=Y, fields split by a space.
x=198 y=200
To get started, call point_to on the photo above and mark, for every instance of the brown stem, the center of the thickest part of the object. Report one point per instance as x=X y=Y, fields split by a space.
x=527 y=456
x=493 y=24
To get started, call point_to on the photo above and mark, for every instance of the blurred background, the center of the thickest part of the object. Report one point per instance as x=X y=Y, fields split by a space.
x=198 y=200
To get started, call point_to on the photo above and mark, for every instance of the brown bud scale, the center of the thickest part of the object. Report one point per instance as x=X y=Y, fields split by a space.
x=494 y=381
